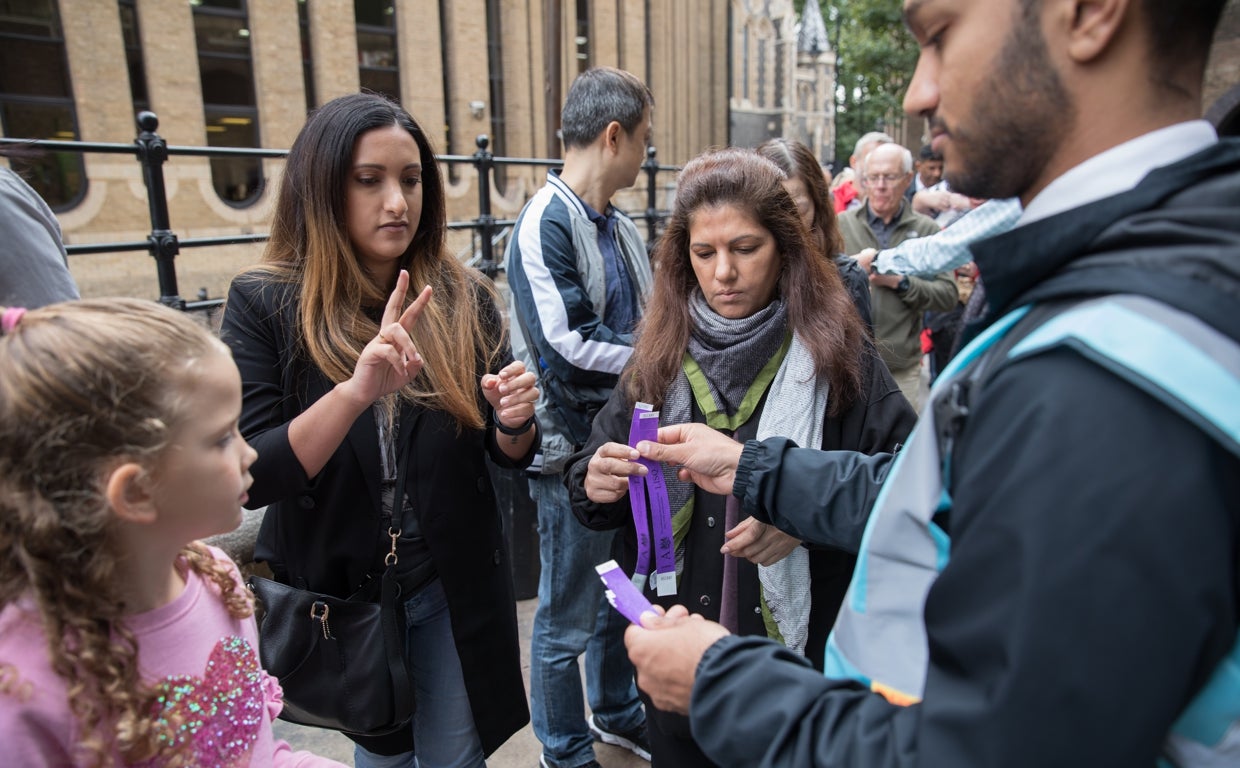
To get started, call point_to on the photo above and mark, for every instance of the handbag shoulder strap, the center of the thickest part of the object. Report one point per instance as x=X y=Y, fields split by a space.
x=390 y=601
x=395 y=517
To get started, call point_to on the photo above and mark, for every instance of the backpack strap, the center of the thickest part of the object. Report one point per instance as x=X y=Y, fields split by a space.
x=1188 y=366
x=879 y=635
x=1176 y=358
x=1184 y=363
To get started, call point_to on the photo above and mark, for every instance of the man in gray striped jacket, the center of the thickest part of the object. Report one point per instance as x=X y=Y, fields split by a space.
x=579 y=276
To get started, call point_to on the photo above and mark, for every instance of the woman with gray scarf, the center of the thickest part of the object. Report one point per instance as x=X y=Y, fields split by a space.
x=750 y=332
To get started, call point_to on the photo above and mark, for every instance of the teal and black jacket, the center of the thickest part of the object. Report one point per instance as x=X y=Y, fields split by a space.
x=1093 y=585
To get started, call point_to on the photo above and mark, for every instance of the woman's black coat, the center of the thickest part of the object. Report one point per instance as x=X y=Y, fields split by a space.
x=326 y=533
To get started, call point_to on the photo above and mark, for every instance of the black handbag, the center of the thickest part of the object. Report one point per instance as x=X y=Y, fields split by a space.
x=341 y=662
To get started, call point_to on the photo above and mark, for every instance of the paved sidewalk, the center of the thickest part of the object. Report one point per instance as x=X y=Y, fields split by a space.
x=521 y=751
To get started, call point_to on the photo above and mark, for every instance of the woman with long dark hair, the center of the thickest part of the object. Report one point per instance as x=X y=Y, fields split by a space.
x=346 y=381
x=750 y=331
x=808 y=189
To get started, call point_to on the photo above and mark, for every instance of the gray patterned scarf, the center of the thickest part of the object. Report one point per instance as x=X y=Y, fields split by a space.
x=731 y=353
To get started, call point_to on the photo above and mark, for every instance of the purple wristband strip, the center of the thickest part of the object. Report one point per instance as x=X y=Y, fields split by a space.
x=637 y=500
x=660 y=510
x=621 y=593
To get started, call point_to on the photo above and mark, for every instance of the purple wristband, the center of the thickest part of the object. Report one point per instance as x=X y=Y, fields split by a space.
x=637 y=500
x=647 y=427
x=621 y=593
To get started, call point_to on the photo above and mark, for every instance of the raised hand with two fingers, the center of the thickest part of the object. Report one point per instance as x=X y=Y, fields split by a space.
x=390 y=360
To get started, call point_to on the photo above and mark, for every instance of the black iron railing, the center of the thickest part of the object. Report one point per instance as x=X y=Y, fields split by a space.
x=164 y=245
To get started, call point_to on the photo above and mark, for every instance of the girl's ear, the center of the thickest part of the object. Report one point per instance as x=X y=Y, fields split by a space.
x=129 y=494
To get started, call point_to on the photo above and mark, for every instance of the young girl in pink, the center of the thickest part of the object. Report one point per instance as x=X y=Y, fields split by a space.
x=123 y=639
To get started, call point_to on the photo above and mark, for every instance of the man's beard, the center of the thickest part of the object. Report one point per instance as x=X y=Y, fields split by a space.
x=1017 y=123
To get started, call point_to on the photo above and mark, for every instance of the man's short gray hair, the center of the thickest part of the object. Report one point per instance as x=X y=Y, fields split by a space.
x=906 y=158
x=596 y=98
x=873 y=137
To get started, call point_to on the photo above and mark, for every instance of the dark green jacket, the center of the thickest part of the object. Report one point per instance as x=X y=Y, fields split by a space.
x=897 y=317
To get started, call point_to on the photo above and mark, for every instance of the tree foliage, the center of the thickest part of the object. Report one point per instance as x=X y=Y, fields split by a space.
x=875 y=59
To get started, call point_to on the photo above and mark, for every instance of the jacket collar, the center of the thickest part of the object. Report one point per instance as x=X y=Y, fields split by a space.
x=570 y=197
x=1032 y=262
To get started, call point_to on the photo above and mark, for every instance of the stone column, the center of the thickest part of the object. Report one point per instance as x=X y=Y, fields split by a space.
x=275 y=49
x=97 y=69
x=333 y=47
x=464 y=27
x=420 y=53
x=170 y=52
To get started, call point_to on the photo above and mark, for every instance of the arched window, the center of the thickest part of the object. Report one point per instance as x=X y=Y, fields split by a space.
x=376 y=47
x=36 y=98
x=222 y=30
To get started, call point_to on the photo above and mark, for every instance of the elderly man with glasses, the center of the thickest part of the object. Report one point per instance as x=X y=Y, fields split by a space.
x=899 y=301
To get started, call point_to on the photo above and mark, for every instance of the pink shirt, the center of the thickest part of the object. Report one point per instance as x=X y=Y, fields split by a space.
x=206 y=660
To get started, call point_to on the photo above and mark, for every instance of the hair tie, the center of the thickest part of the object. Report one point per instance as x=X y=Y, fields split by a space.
x=10 y=318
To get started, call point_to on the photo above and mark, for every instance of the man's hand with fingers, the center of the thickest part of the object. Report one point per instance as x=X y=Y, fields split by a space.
x=705 y=457
x=665 y=651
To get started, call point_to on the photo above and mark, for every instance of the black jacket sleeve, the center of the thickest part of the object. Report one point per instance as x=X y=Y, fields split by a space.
x=843 y=483
x=821 y=497
x=1092 y=589
x=755 y=703
x=493 y=325
x=857 y=282
x=611 y=425
x=256 y=330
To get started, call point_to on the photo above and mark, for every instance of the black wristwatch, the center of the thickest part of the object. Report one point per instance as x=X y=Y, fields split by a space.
x=902 y=286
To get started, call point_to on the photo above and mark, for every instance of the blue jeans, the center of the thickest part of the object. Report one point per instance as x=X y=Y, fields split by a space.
x=444 y=735
x=574 y=617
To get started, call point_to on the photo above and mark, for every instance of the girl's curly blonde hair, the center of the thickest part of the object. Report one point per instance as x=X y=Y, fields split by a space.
x=84 y=386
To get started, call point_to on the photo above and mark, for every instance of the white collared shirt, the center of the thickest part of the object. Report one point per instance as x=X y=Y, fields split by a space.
x=1120 y=168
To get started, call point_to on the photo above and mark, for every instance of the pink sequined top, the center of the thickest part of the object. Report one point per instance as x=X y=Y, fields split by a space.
x=205 y=661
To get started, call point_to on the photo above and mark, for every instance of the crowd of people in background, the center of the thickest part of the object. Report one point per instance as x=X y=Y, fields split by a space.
x=947 y=441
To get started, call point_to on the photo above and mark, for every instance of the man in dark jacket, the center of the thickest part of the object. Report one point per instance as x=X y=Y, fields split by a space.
x=1093 y=590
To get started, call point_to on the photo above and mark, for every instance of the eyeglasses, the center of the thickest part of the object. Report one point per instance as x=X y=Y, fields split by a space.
x=883 y=178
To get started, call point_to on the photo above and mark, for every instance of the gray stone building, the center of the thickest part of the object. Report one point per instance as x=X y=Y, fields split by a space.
x=783 y=76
